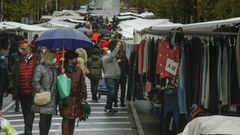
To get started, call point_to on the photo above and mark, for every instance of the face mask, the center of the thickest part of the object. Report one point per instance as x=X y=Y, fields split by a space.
x=24 y=52
x=71 y=68
x=20 y=50
x=44 y=50
x=54 y=61
x=108 y=52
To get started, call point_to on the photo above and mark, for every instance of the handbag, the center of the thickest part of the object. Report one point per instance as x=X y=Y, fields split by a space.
x=64 y=86
x=42 y=98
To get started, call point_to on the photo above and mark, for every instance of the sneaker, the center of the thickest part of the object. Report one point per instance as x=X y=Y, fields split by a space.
x=106 y=110
x=113 y=110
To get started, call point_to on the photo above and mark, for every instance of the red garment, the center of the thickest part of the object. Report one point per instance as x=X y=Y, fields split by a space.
x=109 y=27
x=104 y=43
x=140 y=56
x=95 y=36
x=59 y=55
x=165 y=52
x=26 y=76
x=33 y=43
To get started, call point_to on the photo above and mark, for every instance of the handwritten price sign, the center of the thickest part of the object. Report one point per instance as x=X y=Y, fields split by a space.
x=171 y=66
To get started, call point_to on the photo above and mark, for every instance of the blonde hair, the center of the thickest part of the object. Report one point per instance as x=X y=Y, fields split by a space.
x=82 y=53
x=47 y=58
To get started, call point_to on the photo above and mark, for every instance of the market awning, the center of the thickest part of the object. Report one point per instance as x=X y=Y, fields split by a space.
x=21 y=26
x=201 y=27
x=127 y=27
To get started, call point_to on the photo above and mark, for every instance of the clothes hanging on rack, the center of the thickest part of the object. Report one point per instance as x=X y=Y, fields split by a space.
x=238 y=57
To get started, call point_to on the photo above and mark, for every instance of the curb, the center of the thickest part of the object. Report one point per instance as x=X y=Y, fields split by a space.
x=136 y=119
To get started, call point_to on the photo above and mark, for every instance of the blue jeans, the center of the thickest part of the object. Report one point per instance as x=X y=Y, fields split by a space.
x=170 y=107
x=112 y=86
x=181 y=81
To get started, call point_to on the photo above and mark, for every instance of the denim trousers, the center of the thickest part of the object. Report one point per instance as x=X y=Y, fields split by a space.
x=181 y=82
x=170 y=107
x=112 y=86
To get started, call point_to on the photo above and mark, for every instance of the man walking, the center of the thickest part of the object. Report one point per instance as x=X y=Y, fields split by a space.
x=22 y=78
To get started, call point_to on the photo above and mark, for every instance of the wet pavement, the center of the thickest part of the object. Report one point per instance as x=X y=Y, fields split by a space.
x=99 y=122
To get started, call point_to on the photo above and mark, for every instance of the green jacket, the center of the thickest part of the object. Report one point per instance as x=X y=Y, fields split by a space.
x=95 y=67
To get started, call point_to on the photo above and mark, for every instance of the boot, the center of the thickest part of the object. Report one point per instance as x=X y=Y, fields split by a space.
x=94 y=97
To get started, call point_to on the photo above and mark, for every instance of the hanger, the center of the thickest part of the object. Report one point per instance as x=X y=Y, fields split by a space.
x=212 y=41
x=230 y=44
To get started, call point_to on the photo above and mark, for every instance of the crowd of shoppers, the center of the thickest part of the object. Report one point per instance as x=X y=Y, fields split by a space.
x=32 y=69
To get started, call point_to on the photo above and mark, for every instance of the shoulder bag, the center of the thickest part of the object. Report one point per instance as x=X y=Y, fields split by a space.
x=44 y=97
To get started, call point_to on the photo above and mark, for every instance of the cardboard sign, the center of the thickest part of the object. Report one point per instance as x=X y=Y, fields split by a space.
x=171 y=66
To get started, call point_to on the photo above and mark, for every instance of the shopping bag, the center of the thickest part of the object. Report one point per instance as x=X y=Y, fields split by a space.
x=64 y=86
x=7 y=128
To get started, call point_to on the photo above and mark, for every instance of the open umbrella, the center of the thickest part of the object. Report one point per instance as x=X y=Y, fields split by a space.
x=105 y=32
x=69 y=39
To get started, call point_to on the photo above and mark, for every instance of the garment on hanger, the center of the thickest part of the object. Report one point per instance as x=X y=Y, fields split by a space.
x=238 y=57
x=165 y=53
x=146 y=55
x=152 y=61
x=181 y=82
x=140 y=56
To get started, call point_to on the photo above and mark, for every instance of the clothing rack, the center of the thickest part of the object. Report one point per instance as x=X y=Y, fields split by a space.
x=198 y=33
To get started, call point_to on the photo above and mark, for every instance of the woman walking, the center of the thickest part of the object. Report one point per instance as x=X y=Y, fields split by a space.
x=70 y=109
x=95 y=71
x=44 y=79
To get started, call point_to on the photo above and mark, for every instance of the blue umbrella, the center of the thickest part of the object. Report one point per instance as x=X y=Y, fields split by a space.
x=69 y=39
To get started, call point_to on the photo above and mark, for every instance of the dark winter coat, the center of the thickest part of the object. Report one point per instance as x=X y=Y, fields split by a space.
x=95 y=67
x=70 y=108
x=124 y=66
x=4 y=77
x=45 y=76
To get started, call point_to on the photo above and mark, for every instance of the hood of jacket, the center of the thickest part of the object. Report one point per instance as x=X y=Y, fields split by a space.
x=95 y=57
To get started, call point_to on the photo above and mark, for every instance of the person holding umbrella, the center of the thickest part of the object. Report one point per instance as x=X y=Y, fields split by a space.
x=70 y=109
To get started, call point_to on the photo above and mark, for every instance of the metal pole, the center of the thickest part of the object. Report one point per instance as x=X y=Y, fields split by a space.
x=1 y=17
x=56 y=5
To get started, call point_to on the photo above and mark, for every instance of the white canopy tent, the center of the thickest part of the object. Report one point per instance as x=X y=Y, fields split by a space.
x=128 y=27
x=200 y=27
x=21 y=26
x=142 y=15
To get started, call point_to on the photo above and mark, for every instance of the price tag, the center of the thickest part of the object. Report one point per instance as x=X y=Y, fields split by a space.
x=171 y=66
